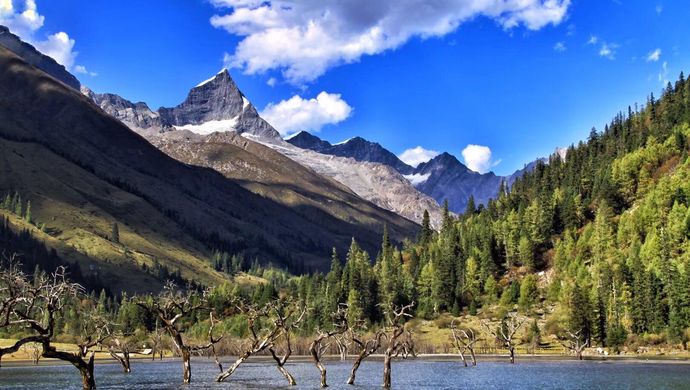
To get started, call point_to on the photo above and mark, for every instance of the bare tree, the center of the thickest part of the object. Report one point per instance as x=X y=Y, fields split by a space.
x=505 y=334
x=95 y=328
x=157 y=343
x=120 y=348
x=575 y=342
x=17 y=292
x=33 y=305
x=317 y=348
x=284 y=317
x=172 y=306
x=396 y=343
x=342 y=342
x=366 y=347
x=464 y=340
x=212 y=341
x=33 y=350
x=285 y=321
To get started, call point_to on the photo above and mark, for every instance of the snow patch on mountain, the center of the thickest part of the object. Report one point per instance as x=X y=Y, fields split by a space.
x=375 y=182
x=344 y=142
x=210 y=126
x=417 y=178
x=210 y=79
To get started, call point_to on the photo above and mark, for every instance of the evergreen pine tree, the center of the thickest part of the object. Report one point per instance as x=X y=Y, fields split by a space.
x=115 y=235
x=27 y=214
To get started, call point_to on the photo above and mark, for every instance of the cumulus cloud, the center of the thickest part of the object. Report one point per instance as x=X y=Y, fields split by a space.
x=297 y=114
x=560 y=47
x=593 y=39
x=81 y=69
x=478 y=158
x=23 y=19
x=654 y=55
x=417 y=155
x=304 y=39
x=608 y=50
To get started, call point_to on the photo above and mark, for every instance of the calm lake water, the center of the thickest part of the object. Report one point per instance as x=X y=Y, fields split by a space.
x=410 y=374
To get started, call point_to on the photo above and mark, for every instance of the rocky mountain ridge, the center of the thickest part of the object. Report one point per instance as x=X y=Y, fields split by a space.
x=32 y=56
x=217 y=106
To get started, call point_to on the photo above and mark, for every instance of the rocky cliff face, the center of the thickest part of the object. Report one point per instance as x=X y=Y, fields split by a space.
x=218 y=105
x=446 y=178
x=357 y=148
x=35 y=58
x=215 y=105
x=137 y=116
x=442 y=178
x=376 y=182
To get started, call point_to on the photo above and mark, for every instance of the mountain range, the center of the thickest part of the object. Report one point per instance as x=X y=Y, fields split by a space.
x=206 y=175
x=443 y=177
x=84 y=171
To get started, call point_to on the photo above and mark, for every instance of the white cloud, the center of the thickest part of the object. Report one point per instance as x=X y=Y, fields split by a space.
x=417 y=155
x=297 y=114
x=478 y=158
x=304 y=39
x=560 y=46
x=272 y=82
x=663 y=74
x=59 y=46
x=571 y=30
x=654 y=55
x=659 y=9
x=608 y=50
x=593 y=39
x=82 y=70
x=23 y=19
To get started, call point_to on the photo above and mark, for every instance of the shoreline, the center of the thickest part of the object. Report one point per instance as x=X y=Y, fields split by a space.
x=492 y=358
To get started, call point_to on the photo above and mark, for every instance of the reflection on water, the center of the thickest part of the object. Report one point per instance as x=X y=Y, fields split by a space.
x=415 y=374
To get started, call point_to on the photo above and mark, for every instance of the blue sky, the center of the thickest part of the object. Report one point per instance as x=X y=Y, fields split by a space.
x=520 y=81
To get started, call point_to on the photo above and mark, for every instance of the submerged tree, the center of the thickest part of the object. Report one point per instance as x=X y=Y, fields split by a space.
x=267 y=325
x=366 y=347
x=34 y=306
x=575 y=342
x=399 y=339
x=464 y=340
x=505 y=334
x=173 y=307
x=317 y=348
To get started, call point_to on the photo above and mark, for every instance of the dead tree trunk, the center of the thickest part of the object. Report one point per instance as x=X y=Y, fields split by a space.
x=464 y=340
x=283 y=322
x=85 y=367
x=224 y=375
x=396 y=320
x=366 y=348
x=316 y=348
x=343 y=346
x=123 y=360
x=169 y=307
x=280 y=361
x=576 y=343
x=505 y=334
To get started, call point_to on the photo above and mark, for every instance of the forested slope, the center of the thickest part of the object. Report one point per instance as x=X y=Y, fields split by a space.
x=596 y=242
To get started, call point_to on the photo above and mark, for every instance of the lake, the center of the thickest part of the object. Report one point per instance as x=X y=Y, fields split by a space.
x=409 y=374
